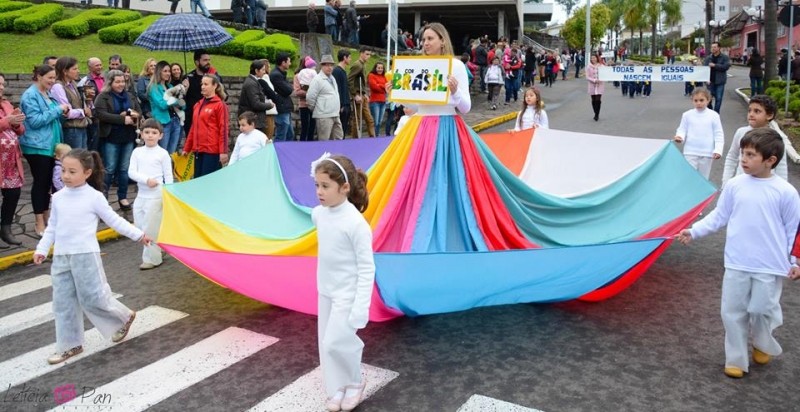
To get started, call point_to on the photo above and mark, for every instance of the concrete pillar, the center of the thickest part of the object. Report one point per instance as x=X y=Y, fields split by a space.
x=417 y=22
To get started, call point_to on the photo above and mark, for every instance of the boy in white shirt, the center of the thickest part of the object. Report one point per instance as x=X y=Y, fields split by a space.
x=760 y=113
x=701 y=132
x=762 y=212
x=151 y=167
x=250 y=139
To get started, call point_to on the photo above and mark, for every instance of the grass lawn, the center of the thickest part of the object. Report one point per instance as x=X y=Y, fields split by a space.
x=30 y=49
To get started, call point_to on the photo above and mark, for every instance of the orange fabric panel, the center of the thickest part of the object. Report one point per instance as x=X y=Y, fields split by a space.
x=510 y=147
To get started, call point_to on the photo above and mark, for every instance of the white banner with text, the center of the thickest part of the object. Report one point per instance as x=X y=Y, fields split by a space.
x=655 y=73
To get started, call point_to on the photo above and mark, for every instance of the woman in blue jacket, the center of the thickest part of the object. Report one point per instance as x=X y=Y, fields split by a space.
x=161 y=110
x=42 y=133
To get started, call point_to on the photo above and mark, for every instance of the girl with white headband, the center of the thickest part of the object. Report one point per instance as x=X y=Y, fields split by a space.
x=345 y=276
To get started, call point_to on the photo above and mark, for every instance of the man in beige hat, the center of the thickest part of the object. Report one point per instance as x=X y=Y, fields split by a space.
x=323 y=101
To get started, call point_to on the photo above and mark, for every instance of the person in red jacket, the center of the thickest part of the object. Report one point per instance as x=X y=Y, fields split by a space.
x=208 y=137
x=377 y=93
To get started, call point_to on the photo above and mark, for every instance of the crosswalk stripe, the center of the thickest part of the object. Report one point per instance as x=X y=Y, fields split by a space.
x=480 y=403
x=34 y=363
x=153 y=383
x=307 y=393
x=25 y=286
x=27 y=318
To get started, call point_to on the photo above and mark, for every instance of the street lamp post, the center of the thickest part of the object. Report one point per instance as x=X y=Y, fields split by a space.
x=756 y=15
x=717 y=26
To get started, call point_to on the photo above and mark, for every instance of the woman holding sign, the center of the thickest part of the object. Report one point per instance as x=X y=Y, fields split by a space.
x=595 y=85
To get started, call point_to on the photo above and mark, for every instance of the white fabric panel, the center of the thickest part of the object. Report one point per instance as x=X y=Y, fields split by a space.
x=568 y=164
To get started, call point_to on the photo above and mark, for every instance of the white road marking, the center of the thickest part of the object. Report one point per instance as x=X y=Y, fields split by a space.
x=157 y=381
x=34 y=363
x=307 y=393
x=25 y=286
x=480 y=403
x=28 y=318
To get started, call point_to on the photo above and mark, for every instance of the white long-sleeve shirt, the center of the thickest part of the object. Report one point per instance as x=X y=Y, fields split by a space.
x=530 y=118
x=762 y=216
x=150 y=163
x=345 y=264
x=732 y=165
x=73 y=222
x=247 y=144
x=701 y=131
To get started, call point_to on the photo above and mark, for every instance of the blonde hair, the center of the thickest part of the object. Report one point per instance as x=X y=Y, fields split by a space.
x=146 y=66
x=438 y=28
x=219 y=89
x=61 y=150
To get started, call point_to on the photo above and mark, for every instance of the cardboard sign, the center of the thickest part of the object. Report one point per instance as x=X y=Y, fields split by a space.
x=666 y=73
x=420 y=79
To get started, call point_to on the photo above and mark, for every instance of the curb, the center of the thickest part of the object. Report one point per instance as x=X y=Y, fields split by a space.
x=27 y=256
x=494 y=122
x=109 y=234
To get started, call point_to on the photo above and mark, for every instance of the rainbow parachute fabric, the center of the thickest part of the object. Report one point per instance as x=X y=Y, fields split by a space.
x=459 y=221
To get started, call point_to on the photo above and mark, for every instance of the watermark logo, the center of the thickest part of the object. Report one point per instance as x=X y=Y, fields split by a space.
x=64 y=393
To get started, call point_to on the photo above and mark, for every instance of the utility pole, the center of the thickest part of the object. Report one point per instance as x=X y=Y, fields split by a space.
x=709 y=17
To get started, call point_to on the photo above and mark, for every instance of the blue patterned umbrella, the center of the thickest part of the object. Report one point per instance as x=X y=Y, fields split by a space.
x=183 y=32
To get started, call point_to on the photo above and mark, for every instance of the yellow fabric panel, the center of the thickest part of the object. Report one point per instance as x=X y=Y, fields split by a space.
x=185 y=226
x=386 y=172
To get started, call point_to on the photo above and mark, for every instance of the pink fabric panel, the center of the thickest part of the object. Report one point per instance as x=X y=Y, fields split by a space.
x=286 y=281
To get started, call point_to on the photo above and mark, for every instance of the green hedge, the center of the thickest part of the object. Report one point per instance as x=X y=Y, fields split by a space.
x=269 y=47
x=92 y=21
x=218 y=50
x=235 y=47
x=13 y=5
x=124 y=33
x=31 y=19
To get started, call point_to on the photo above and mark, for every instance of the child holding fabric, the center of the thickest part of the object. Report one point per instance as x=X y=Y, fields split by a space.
x=345 y=276
x=701 y=132
x=762 y=213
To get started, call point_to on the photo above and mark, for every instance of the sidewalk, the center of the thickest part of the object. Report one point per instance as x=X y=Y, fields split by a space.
x=480 y=117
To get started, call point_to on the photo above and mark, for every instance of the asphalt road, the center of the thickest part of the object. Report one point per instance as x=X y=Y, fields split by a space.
x=656 y=346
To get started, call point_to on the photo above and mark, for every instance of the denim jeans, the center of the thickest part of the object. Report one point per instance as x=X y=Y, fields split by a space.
x=172 y=135
x=202 y=5
x=717 y=91
x=117 y=158
x=283 y=127
x=509 y=84
x=75 y=137
x=251 y=11
x=376 y=109
x=389 y=119
x=756 y=86
x=482 y=72
x=331 y=29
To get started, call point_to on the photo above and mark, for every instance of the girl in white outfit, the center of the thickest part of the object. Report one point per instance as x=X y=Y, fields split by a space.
x=79 y=282
x=532 y=114
x=701 y=133
x=345 y=276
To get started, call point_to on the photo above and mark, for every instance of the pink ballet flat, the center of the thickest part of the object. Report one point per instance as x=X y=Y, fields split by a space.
x=351 y=402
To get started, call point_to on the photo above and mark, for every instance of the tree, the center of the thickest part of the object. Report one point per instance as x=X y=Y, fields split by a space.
x=617 y=8
x=568 y=5
x=574 y=31
x=635 y=18
x=671 y=10
x=770 y=39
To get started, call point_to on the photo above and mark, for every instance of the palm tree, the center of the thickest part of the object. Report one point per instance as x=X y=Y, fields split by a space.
x=770 y=39
x=617 y=8
x=635 y=18
x=671 y=10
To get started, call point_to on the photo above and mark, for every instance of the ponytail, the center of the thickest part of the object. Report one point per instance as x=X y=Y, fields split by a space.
x=90 y=160
x=358 y=195
x=357 y=179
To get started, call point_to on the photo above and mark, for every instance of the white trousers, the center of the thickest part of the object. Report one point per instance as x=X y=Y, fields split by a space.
x=80 y=285
x=340 y=348
x=701 y=163
x=147 y=214
x=750 y=303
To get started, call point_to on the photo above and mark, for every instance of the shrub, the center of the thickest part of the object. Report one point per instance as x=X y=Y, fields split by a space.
x=120 y=33
x=7 y=18
x=269 y=47
x=137 y=30
x=92 y=21
x=235 y=47
x=13 y=5
x=38 y=17
x=794 y=107
x=218 y=50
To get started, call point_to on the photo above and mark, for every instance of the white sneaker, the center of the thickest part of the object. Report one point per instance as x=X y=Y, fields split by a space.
x=353 y=395
x=334 y=403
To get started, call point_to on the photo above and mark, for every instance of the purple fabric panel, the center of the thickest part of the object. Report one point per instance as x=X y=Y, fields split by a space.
x=295 y=160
